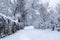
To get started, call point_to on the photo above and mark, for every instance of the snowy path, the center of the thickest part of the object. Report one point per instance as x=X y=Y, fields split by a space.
x=34 y=35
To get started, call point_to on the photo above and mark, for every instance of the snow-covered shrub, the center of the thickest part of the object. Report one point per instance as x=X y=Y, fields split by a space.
x=9 y=21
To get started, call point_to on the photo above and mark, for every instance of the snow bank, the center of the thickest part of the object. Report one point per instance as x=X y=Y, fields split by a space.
x=29 y=27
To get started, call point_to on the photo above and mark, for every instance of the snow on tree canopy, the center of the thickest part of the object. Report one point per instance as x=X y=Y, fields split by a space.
x=18 y=14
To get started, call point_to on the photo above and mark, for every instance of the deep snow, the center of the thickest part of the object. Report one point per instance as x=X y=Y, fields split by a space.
x=34 y=34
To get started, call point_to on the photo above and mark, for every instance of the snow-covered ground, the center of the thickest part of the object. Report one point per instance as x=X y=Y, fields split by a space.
x=34 y=34
x=29 y=27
